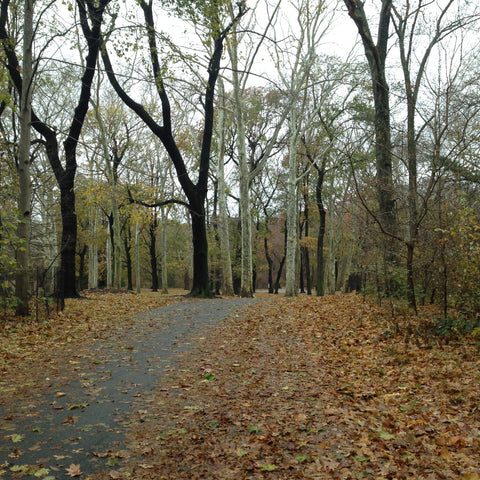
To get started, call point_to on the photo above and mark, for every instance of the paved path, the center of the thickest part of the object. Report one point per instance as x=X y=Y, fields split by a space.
x=82 y=419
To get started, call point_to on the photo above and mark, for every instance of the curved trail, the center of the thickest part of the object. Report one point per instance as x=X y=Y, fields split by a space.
x=82 y=418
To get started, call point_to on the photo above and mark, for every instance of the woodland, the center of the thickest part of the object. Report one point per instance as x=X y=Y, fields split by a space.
x=222 y=147
x=166 y=151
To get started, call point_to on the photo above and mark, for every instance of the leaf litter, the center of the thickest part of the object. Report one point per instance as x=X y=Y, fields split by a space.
x=303 y=388
x=312 y=388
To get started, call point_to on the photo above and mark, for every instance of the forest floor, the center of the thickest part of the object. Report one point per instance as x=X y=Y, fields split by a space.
x=304 y=388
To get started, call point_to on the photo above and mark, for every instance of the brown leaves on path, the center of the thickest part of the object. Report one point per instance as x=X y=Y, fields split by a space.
x=312 y=388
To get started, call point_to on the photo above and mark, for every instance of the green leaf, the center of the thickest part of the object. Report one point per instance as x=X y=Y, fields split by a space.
x=16 y=438
x=361 y=459
x=191 y=407
x=41 y=473
x=209 y=376
x=20 y=468
x=385 y=435
x=111 y=462
x=302 y=458
x=268 y=468
x=253 y=429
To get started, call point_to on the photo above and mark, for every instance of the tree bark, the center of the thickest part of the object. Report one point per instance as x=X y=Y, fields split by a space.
x=292 y=210
x=127 y=242
x=223 y=230
x=246 y=288
x=320 y=284
x=270 y=264
x=152 y=248
x=25 y=187
x=109 y=255
x=137 y=259
x=163 y=244
x=92 y=250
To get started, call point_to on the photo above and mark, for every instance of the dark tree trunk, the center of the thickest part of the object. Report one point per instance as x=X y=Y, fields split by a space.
x=81 y=270
x=320 y=284
x=279 y=275
x=308 y=274
x=306 y=255
x=270 y=265
x=282 y=262
x=68 y=287
x=152 y=248
x=201 y=282
x=127 y=241
x=376 y=56
x=302 y=266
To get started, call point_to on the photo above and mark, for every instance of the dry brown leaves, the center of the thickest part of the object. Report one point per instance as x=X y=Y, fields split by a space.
x=311 y=388
x=31 y=350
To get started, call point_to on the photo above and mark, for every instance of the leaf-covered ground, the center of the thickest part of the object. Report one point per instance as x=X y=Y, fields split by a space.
x=311 y=388
x=304 y=388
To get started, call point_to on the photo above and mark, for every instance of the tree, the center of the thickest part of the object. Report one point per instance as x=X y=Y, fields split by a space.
x=194 y=191
x=91 y=18
x=376 y=54
x=296 y=80
x=407 y=23
x=247 y=170
x=223 y=231
x=24 y=182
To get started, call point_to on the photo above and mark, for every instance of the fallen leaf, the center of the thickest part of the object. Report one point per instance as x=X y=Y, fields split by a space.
x=74 y=470
x=16 y=438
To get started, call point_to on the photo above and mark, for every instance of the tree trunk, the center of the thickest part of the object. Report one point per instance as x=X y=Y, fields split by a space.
x=163 y=243
x=127 y=242
x=109 y=257
x=137 y=259
x=282 y=263
x=68 y=287
x=292 y=211
x=25 y=188
x=305 y=252
x=223 y=231
x=92 y=251
x=201 y=282
x=320 y=284
x=270 y=265
x=246 y=288
x=376 y=56
x=279 y=275
x=152 y=236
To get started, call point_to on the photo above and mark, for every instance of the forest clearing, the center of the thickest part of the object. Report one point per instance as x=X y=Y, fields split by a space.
x=289 y=388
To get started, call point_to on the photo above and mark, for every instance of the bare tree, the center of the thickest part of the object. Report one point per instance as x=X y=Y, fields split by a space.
x=194 y=191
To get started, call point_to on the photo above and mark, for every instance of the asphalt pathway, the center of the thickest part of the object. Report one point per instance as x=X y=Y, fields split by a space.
x=82 y=418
